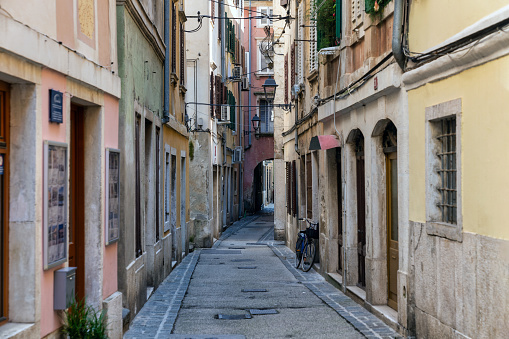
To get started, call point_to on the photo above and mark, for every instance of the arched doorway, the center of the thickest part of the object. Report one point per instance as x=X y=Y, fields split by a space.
x=263 y=186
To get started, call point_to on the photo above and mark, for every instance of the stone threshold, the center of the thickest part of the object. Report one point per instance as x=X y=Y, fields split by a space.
x=388 y=315
x=336 y=279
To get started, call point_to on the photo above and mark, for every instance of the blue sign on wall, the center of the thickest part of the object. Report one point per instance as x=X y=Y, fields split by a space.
x=56 y=102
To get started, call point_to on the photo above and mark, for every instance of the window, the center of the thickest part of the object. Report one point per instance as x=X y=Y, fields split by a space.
x=266 y=114
x=263 y=61
x=447 y=170
x=265 y=11
x=173 y=189
x=233 y=114
x=328 y=23
x=138 y=248
x=443 y=176
x=167 y=189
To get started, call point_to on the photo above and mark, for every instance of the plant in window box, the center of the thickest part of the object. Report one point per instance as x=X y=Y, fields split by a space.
x=375 y=8
x=325 y=23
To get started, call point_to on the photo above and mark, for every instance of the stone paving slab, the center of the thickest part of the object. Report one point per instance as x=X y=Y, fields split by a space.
x=360 y=318
x=157 y=317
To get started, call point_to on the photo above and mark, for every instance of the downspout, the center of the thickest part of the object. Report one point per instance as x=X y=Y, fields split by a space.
x=296 y=127
x=166 y=113
x=397 y=33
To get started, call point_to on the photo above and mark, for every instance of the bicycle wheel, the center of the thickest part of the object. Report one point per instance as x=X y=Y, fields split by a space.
x=308 y=257
x=298 y=253
x=298 y=259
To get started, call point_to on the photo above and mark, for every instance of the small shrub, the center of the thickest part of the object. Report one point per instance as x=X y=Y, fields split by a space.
x=81 y=321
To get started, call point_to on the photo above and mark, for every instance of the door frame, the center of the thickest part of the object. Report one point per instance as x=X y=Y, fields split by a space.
x=390 y=302
x=5 y=121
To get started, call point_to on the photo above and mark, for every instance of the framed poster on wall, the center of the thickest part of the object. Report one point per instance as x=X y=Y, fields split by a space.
x=55 y=204
x=112 y=195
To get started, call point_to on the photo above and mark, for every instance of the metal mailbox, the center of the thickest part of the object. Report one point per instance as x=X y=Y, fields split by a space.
x=64 y=287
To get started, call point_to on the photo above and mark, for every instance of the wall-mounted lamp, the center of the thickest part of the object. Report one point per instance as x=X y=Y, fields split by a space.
x=256 y=125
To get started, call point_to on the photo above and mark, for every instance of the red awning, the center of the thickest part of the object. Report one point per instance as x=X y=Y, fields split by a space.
x=323 y=142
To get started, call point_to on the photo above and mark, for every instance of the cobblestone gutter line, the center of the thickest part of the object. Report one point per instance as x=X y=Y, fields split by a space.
x=360 y=318
x=157 y=317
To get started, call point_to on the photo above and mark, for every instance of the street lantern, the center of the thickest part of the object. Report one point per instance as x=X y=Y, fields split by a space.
x=269 y=88
x=256 y=124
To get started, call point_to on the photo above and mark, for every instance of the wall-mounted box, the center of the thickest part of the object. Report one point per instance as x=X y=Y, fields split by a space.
x=64 y=287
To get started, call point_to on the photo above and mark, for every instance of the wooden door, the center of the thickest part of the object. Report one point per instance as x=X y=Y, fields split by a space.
x=361 y=221
x=392 y=229
x=4 y=200
x=340 y=210
x=77 y=199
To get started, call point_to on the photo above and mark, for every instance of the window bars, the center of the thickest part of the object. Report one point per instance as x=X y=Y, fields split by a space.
x=447 y=170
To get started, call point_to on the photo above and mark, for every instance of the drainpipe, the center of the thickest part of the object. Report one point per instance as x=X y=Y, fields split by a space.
x=166 y=113
x=397 y=33
x=296 y=127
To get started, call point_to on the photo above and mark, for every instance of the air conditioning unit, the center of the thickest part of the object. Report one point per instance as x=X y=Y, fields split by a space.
x=237 y=73
x=225 y=113
x=237 y=155
x=245 y=84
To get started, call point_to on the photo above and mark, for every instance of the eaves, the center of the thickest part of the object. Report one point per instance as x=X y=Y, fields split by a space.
x=146 y=26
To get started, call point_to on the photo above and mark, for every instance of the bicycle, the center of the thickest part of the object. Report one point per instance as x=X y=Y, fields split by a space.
x=305 y=249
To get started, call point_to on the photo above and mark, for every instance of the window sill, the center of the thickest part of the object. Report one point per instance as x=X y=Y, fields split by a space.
x=313 y=75
x=445 y=230
x=15 y=330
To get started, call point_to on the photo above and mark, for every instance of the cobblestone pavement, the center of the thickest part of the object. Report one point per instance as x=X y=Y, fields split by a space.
x=241 y=289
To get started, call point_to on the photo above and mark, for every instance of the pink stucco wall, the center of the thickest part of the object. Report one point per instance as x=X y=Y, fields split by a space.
x=263 y=148
x=50 y=320
x=110 y=141
x=54 y=132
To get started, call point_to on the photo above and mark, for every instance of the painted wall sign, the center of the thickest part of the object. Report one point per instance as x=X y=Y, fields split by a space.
x=56 y=102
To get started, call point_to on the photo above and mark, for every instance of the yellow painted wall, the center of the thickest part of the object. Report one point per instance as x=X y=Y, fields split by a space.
x=180 y=143
x=484 y=91
x=449 y=17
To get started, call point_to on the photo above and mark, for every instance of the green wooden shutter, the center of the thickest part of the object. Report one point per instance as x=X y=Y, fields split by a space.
x=338 y=19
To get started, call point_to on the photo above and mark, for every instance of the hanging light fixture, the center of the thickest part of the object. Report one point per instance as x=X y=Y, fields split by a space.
x=269 y=88
x=256 y=125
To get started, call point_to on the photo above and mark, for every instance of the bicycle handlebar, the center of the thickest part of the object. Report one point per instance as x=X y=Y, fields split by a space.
x=314 y=224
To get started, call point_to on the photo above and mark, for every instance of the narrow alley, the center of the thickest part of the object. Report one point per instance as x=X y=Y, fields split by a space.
x=246 y=286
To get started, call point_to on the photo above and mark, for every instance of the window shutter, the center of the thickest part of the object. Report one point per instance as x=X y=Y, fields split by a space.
x=174 y=39
x=286 y=78
x=338 y=19
x=219 y=94
x=292 y=55
x=182 y=54
x=212 y=101
x=300 y=45
x=213 y=10
x=288 y=189
x=294 y=188
x=233 y=112
x=220 y=27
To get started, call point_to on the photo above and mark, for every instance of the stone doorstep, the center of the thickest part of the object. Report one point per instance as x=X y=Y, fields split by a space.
x=382 y=312
x=335 y=279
